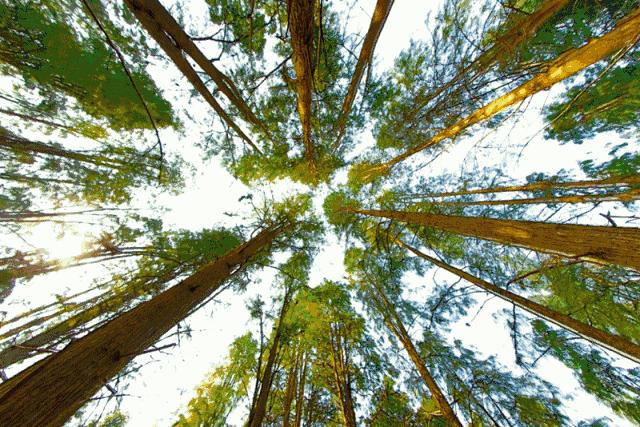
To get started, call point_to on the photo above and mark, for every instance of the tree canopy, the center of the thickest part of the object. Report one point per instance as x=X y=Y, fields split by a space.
x=307 y=213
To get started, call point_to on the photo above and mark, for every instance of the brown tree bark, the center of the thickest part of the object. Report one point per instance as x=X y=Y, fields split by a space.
x=395 y=325
x=614 y=181
x=613 y=245
x=379 y=18
x=625 y=33
x=184 y=42
x=290 y=391
x=623 y=196
x=51 y=391
x=615 y=343
x=301 y=15
x=300 y=392
x=504 y=46
x=148 y=21
x=260 y=410
x=341 y=365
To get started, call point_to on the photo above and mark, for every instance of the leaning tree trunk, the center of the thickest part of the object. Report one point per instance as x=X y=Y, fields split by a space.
x=622 y=196
x=185 y=43
x=52 y=390
x=625 y=33
x=395 y=325
x=614 y=181
x=615 y=343
x=613 y=245
x=300 y=14
x=148 y=21
x=379 y=18
x=504 y=46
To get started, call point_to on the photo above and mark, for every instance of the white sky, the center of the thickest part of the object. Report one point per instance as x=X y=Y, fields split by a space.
x=163 y=387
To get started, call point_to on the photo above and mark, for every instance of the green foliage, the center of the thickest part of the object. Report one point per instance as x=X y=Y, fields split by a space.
x=610 y=104
x=614 y=386
x=217 y=396
x=43 y=47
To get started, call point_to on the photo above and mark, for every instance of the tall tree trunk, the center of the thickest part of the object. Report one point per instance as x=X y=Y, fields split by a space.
x=625 y=33
x=379 y=18
x=395 y=325
x=257 y=416
x=300 y=392
x=155 y=9
x=614 y=245
x=615 y=343
x=67 y=328
x=341 y=369
x=52 y=390
x=148 y=21
x=623 y=196
x=614 y=181
x=300 y=13
x=290 y=391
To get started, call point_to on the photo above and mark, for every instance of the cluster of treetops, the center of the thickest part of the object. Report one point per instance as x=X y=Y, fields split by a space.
x=292 y=92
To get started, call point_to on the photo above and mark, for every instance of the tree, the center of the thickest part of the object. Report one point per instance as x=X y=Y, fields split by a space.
x=566 y=65
x=151 y=319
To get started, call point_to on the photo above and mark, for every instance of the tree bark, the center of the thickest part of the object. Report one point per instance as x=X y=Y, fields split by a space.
x=614 y=181
x=164 y=19
x=504 y=45
x=623 y=196
x=51 y=391
x=300 y=392
x=395 y=325
x=613 y=245
x=341 y=366
x=625 y=33
x=289 y=394
x=615 y=343
x=379 y=18
x=257 y=417
x=148 y=21
x=300 y=13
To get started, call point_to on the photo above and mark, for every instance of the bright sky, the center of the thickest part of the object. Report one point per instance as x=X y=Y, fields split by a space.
x=167 y=381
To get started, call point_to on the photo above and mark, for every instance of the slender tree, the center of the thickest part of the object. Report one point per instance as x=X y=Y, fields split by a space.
x=155 y=29
x=616 y=343
x=569 y=63
x=379 y=18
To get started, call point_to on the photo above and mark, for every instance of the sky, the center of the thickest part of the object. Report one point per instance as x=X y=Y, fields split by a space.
x=167 y=380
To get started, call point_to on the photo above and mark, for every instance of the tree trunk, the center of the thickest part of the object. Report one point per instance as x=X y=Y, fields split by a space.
x=52 y=390
x=164 y=19
x=379 y=18
x=14 y=142
x=614 y=181
x=625 y=33
x=65 y=329
x=301 y=384
x=615 y=343
x=623 y=196
x=300 y=14
x=257 y=417
x=148 y=21
x=289 y=394
x=504 y=46
x=395 y=325
x=614 y=245
x=341 y=366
